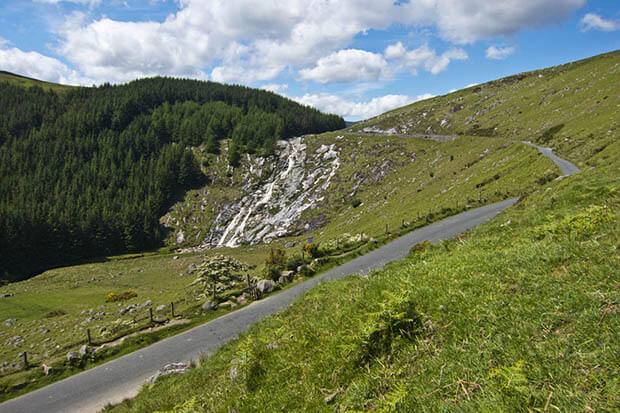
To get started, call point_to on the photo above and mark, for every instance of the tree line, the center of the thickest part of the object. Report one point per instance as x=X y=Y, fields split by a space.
x=88 y=172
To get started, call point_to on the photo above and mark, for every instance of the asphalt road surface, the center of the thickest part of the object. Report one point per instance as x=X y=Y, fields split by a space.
x=118 y=379
x=565 y=166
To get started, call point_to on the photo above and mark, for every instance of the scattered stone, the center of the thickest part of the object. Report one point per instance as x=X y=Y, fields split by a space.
x=228 y=304
x=291 y=244
x=140 y=270
x=265 y=286
x=102 y=330
x=44 y=331
x=148 y=302
x=241 y=300
x=84 y=350
x=233 y=373
x=209 y=305
x=172 y=368
x=191 y=268
x=176 y=257
x=73 y=355
x=46 y=369
x=160 y=308
x=372 y=240
x=7 y=295
x=9 y=322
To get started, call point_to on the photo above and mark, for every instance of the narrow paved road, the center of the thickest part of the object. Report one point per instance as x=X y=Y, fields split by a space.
x=91 y=390
x=565 y=166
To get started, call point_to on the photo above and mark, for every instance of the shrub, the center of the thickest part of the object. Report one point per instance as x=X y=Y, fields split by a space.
x=419 y=247
x=355 y=202
x=306 y=271
x=121 y=296
x=312 y=248
x=273 y=273
x=293 y=262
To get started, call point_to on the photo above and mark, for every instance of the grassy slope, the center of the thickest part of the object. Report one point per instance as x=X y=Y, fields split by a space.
x=583 y=96
x=28 y=82
x=519 y=314
x=511 y=317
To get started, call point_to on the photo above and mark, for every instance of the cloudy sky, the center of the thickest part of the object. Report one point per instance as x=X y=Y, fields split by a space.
x=356 y=58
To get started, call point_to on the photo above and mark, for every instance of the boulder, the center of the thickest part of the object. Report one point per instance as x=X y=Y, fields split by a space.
x=84 y=350
x=265 y=286
x=172 y=368
x=46 y=369
x=209 y=305
x=72 y=356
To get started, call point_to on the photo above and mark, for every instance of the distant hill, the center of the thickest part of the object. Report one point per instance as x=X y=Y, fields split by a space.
x=89 y=171
x=562 y=106
x=29 y=82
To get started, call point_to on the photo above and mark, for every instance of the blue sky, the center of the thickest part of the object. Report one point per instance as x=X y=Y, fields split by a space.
x=357 y=58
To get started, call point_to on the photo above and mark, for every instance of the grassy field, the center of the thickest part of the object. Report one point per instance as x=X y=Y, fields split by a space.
x=520 y=314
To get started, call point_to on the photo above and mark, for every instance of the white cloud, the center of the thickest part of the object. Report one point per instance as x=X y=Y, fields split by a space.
x=38 y=66
x=357 y=110
x=499 y=53
x=594 y=21
x=350 y=65
x=424 y=57
x=466 y=21
x=275 y=87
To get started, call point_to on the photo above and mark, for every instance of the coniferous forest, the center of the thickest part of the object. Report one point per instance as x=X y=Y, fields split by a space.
x=88 y=172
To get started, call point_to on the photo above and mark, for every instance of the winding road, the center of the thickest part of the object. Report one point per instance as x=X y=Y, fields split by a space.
x=118 y=379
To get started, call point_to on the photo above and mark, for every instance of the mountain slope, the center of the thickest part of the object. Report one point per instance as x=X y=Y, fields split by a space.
x=519 y=314
x=89 y=171
x=572 y=107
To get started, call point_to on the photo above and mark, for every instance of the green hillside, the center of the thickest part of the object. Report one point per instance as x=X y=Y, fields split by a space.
x=89 y=172
x=519 y=314
x=24 y=81
x=573 y=108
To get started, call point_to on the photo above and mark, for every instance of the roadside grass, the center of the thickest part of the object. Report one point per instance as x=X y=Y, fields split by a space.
x=519 y=314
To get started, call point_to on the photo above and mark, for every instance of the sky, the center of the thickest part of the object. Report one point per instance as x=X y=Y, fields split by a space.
x=355 y=58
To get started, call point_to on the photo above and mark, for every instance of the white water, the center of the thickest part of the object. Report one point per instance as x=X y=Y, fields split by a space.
x=297 y=182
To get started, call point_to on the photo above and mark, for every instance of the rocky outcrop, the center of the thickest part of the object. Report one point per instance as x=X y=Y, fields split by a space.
x=272 y=208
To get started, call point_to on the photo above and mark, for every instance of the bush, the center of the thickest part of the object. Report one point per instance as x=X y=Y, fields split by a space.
x=121 y=296
x=55 y=313
x=312 y=248
x=306 y=271
x=419 y=247
x=355 y=202
x=273 y=273
x=293 y=262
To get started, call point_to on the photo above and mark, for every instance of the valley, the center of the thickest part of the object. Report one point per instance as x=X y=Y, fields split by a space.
x=519 y=311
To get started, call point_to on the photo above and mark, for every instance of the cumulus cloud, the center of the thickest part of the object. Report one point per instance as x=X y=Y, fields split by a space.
x=349 y=65
x=38 y=66
x=357 y=110
x=306 y=36
x=466 y=21
x=424 y=57
x=592 y=21
x=499 y=53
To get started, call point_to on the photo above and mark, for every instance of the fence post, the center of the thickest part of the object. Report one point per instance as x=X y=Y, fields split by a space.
x=151 y=314
x=25 y=359
x=172 y=308
x=386 y=229
x=457 y=204
x=89 y=339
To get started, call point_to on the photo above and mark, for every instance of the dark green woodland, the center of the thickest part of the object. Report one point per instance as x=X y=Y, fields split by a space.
x=88 y=172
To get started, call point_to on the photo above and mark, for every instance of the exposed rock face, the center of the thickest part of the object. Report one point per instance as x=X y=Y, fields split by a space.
x=271 y=209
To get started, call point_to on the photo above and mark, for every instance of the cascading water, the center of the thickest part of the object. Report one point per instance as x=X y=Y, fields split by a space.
x=298 y=182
